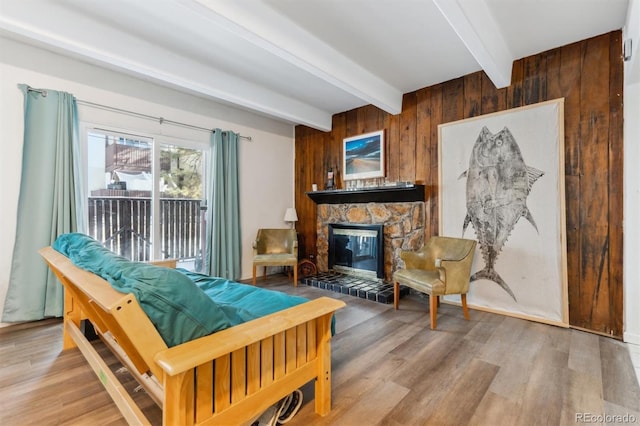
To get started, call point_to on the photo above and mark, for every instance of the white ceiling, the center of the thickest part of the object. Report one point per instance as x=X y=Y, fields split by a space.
x=301 y=61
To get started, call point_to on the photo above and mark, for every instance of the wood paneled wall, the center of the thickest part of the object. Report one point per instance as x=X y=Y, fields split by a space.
x=589 y=75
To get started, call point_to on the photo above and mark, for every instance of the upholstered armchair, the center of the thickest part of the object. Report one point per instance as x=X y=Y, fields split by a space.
x=276 y=247
x=442 y=266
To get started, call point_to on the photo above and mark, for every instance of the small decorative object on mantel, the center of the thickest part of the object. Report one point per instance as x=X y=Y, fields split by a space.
x=358 y=184
x=405 y=184
x=331 y=182
x=363 y=157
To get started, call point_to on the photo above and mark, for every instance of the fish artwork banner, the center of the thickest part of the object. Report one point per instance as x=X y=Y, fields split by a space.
x=501 y=182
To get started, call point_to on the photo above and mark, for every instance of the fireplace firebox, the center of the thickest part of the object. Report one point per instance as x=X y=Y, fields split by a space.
x=357 y=249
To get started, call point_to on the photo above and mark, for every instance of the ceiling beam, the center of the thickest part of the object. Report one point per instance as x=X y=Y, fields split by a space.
x=475 y=26
x=181 y=73
x=270 y=31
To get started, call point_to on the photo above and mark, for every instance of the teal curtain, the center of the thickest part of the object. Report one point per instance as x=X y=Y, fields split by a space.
x=47 y=207
x=223 y=222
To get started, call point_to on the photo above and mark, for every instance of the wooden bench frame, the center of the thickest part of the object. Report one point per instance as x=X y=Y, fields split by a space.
x=229 y=377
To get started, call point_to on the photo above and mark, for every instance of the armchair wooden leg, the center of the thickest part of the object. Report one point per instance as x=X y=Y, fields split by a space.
x=433 y=310
x=253 y=280
x=396 y=294
x=295 y=275
x=464 y=306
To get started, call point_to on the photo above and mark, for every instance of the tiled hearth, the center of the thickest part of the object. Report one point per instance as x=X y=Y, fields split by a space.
x=355 y=286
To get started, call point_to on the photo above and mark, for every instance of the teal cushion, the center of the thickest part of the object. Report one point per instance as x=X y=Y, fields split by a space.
x=176 y=306
x=242 y=302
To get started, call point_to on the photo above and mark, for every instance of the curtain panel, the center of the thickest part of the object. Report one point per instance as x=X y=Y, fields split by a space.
x=223 y=213
x=49 y=187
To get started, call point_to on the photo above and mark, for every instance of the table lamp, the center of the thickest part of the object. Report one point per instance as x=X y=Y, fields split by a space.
x=291 y=216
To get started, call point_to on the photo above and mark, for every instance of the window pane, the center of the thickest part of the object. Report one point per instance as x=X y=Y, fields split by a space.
x=181 y=195
x=120 y=188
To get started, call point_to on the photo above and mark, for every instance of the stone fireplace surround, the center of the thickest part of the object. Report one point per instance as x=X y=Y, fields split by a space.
x=404 y=228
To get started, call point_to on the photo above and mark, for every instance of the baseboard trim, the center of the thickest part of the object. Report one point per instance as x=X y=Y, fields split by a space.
x=631 y=338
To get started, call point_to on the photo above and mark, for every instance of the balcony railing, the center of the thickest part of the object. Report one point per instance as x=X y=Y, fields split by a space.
x=124 y=225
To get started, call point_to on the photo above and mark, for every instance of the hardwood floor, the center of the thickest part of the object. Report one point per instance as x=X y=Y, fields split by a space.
x=389 y=368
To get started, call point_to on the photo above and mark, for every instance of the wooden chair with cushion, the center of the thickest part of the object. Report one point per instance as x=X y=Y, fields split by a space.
x=442 y=266
x=276 y=247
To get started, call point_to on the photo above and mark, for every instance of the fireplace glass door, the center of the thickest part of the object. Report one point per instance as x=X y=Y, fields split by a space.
x=356 y=249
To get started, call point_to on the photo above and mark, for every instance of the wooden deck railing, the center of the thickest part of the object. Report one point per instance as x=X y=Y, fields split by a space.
x=124 y=225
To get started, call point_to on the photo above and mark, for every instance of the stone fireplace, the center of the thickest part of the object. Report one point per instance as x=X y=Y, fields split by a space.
x=403 y=225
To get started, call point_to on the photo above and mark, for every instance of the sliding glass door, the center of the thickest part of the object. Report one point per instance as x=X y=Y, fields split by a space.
x=145 y=196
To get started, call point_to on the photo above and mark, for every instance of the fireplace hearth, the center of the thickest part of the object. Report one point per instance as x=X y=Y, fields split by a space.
x=404 y=229
x=373 y=290
x=356 y=263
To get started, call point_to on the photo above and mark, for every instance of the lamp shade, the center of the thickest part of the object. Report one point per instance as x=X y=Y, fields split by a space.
x=290 y=215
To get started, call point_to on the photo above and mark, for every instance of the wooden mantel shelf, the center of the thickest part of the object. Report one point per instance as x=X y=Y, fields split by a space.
x=386 y=194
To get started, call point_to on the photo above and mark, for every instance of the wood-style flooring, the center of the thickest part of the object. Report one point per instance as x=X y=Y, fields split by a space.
x=389 y=368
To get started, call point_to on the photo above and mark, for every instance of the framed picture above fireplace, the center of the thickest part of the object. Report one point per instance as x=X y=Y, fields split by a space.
x=363 y=156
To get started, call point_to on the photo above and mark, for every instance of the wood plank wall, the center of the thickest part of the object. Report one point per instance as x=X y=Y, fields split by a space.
x=589 y=75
